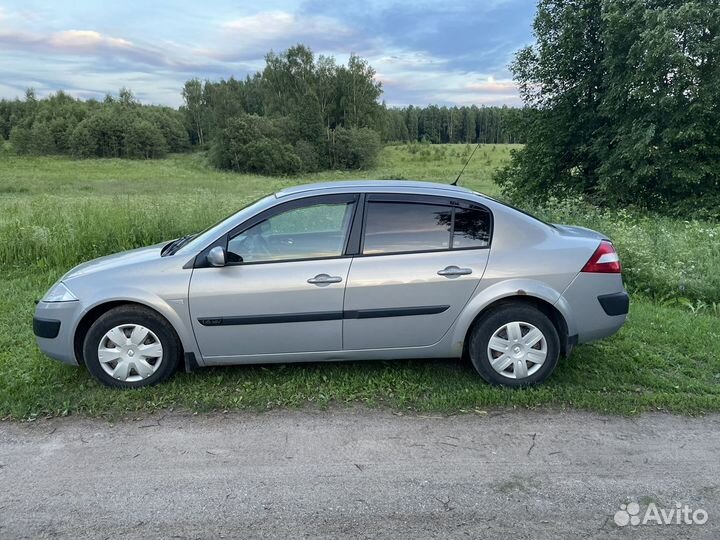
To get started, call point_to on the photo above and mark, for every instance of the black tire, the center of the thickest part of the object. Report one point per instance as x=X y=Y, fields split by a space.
x=484 y=328
x=132 y=314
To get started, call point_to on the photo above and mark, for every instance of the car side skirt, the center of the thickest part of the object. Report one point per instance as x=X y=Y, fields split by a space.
x=438 y=350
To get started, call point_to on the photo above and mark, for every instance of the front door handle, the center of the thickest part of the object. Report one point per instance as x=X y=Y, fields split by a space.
x=324 y=279
x=450 y=271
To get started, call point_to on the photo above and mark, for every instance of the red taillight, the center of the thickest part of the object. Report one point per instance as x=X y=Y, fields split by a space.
x=605 y=260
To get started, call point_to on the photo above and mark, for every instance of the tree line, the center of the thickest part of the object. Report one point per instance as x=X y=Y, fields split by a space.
x=439 y=125
x=300 y=113
x=115 y=127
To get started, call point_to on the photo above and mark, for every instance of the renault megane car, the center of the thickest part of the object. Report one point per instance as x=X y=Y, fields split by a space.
x=357 y=270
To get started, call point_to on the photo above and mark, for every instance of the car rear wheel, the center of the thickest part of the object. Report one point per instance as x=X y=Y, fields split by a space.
x=514 y=345
x=131 y=347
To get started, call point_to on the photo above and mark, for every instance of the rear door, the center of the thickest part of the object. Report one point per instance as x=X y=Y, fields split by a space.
x=420 y=260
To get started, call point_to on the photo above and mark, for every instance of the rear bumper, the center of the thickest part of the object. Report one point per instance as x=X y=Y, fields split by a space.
x=53 y=326
x=598 y=304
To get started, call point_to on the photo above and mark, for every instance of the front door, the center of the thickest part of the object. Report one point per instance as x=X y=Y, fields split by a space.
x=282 y=289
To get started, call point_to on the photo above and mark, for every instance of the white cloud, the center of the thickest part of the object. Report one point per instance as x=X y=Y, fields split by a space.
x=93 y=44
x=271 y=24
x=78 y=79
x=403 y=59
x=78 y=39
x=434 y=82
x=268 y=26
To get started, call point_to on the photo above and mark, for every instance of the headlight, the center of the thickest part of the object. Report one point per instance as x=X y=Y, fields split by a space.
x=59 y=293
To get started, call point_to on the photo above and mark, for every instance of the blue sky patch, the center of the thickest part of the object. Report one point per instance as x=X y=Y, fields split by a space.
x=449 y=53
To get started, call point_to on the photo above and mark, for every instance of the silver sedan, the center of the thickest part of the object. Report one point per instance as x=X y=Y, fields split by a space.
x=343 y=271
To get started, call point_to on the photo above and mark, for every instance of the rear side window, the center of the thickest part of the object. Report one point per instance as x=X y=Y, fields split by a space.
x=400 y=227
x=472 y=228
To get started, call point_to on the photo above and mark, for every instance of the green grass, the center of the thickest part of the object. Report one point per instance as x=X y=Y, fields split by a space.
x=188 y=174
x=56 y=212
x=674 y=262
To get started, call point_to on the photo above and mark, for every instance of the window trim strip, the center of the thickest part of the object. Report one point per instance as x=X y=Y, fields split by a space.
x=355 y=243
x=429 y=200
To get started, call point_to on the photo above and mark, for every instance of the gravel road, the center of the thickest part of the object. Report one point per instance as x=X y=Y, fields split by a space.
x=357 y=473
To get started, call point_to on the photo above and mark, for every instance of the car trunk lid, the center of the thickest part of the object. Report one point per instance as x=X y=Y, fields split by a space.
x=579 y=232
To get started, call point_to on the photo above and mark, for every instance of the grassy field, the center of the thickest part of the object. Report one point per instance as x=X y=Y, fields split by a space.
x=55 y=213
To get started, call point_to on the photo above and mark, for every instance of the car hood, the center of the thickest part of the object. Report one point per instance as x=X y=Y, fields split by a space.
x=115 y=261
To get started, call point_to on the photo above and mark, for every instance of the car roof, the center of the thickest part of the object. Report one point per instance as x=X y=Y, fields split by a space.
x=405 y=186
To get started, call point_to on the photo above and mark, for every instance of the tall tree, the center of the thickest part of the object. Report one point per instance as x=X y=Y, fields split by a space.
x=623 y=97
x=661 y=138
x=411 y=119
x=359 y=93
x=195 y=108
x=327 y=88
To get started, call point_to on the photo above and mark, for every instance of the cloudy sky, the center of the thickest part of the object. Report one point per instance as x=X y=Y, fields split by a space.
x=443 y=51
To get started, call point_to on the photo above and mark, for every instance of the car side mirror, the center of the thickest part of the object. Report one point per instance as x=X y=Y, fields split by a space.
x=216 y=256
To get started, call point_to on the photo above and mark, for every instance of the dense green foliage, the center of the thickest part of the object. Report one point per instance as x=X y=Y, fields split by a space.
x=251 y=143
x=665 y=357
x=119 y=127
x=486 y=125
x=624 y=96
x=299 y=114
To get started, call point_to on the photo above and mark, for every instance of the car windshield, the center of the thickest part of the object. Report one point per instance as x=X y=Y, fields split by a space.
x=210 y=234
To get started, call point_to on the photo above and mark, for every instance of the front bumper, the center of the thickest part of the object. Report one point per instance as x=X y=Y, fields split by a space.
x=54 y=327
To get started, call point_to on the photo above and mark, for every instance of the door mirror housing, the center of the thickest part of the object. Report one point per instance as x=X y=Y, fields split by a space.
x=216 y=256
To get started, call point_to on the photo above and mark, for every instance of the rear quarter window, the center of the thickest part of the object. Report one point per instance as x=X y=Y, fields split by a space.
x=471 y=228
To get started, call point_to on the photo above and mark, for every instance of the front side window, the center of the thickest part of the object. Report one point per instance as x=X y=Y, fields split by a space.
x=401 y=227
x=309 y=232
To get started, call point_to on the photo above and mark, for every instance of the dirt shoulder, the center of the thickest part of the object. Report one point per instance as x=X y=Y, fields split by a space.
x=356 y=473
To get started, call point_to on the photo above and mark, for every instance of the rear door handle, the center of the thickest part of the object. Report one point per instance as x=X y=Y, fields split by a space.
x=324 y=279
x=450 y=271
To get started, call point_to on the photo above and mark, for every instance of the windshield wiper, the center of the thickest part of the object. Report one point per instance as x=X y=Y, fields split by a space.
x=177 y=244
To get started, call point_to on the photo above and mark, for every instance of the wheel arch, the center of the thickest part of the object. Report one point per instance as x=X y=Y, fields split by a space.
x=535 y=294
x=95 y=312
x=550 y=311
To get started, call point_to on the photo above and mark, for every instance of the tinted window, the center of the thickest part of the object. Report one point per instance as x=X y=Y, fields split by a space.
x=309 y=232
x=472 y=228
x=398 y=227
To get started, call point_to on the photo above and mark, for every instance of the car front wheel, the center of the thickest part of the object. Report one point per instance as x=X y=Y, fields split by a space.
x=514 y=345
x=131 y=347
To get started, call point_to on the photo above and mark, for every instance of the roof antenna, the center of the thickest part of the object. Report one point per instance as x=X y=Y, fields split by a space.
x=466 y=164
